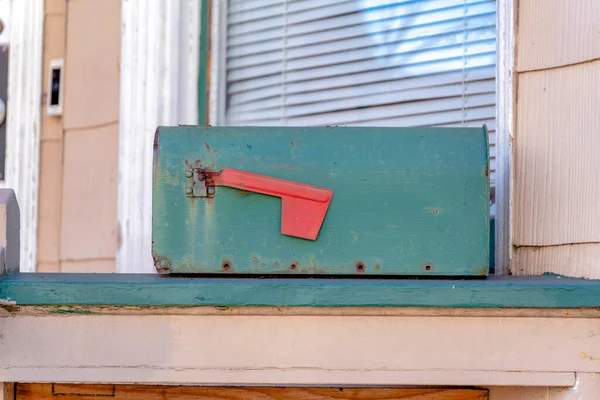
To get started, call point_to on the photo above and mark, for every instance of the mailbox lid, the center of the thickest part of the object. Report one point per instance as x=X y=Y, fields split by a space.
x=406 y=201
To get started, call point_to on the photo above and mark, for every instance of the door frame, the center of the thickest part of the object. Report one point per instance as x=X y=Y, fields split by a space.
x=26 y=35
x=160 y=45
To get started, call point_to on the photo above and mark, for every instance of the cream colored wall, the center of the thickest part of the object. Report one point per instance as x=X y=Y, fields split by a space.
x=79 y=151
x=557 y=141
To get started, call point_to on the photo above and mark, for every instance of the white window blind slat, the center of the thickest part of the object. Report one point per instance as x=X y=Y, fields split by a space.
x=239 y=58
x=246 y=102
x=452 y=116
x=247 y=11
x=461 y=104
x=461 y=63
x=400 y=25
x=245 y=6
x=378 y=57
x=490 y=123
x=435 y=92
x=352 y=13
x=362 y=63
x=302 y=11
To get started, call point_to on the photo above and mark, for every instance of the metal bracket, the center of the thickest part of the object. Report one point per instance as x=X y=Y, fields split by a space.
x=198 y=184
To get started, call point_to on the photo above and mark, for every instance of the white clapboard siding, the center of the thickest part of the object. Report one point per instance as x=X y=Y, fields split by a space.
x=362 y=63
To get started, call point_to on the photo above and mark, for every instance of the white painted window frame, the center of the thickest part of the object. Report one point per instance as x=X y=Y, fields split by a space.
x=160 y=45
x=505 y=40
x=26 y=25
x=504 y=112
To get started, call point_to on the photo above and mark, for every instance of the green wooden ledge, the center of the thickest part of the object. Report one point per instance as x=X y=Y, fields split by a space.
x=548 y=291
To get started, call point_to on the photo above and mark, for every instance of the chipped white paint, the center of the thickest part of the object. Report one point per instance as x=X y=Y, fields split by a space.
x=159 y=86
x=587 y=387
x=23 y=112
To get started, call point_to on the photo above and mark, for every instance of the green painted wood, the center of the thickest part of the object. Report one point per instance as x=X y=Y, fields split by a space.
x=548 y=291
x=407 y=201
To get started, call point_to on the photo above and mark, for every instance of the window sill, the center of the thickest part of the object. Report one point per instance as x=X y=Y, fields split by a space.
x=547 y=291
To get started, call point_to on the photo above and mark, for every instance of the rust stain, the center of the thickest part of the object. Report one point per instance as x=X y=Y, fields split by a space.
x=156 y=135
x=486 y=171
x=161 y=263
x=354 y=234
x=377 y=267
x=587 y=356
x=434 y=210
x=312 y=271
x=293 y=144
x=242 y=192
x=257 y=262
x=360 y=267
x=206 y=145
x=226 y=265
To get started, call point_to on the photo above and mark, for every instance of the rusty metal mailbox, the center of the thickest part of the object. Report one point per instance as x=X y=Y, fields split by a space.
x=331 y=201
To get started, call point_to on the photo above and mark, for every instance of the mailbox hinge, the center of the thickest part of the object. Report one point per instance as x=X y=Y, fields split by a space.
x=198 y=183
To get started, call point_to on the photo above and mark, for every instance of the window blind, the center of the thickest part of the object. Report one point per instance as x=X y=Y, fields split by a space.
x=362 y=63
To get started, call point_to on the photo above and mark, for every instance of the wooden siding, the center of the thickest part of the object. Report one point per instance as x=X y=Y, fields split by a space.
x=79 y=150
x=556 y=189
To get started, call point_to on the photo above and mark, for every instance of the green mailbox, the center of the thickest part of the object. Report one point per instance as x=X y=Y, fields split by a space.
x=322 y=200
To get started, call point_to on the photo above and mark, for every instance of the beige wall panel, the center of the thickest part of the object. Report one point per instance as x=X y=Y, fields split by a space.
x=47 y=267
x=557 y=155
x=88 y=266
x=49 y=201
x=89 y=205
x=54 y=43
x=55 y=6
x=577 y=260
x=552 y=33
x=52 y=127
x=92 y=64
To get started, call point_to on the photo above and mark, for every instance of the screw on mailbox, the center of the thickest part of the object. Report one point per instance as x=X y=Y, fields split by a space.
x=188 y=174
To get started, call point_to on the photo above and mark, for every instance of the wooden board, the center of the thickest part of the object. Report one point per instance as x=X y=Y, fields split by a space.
x=30 y=391
x=155 y=290
x=298 y=350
